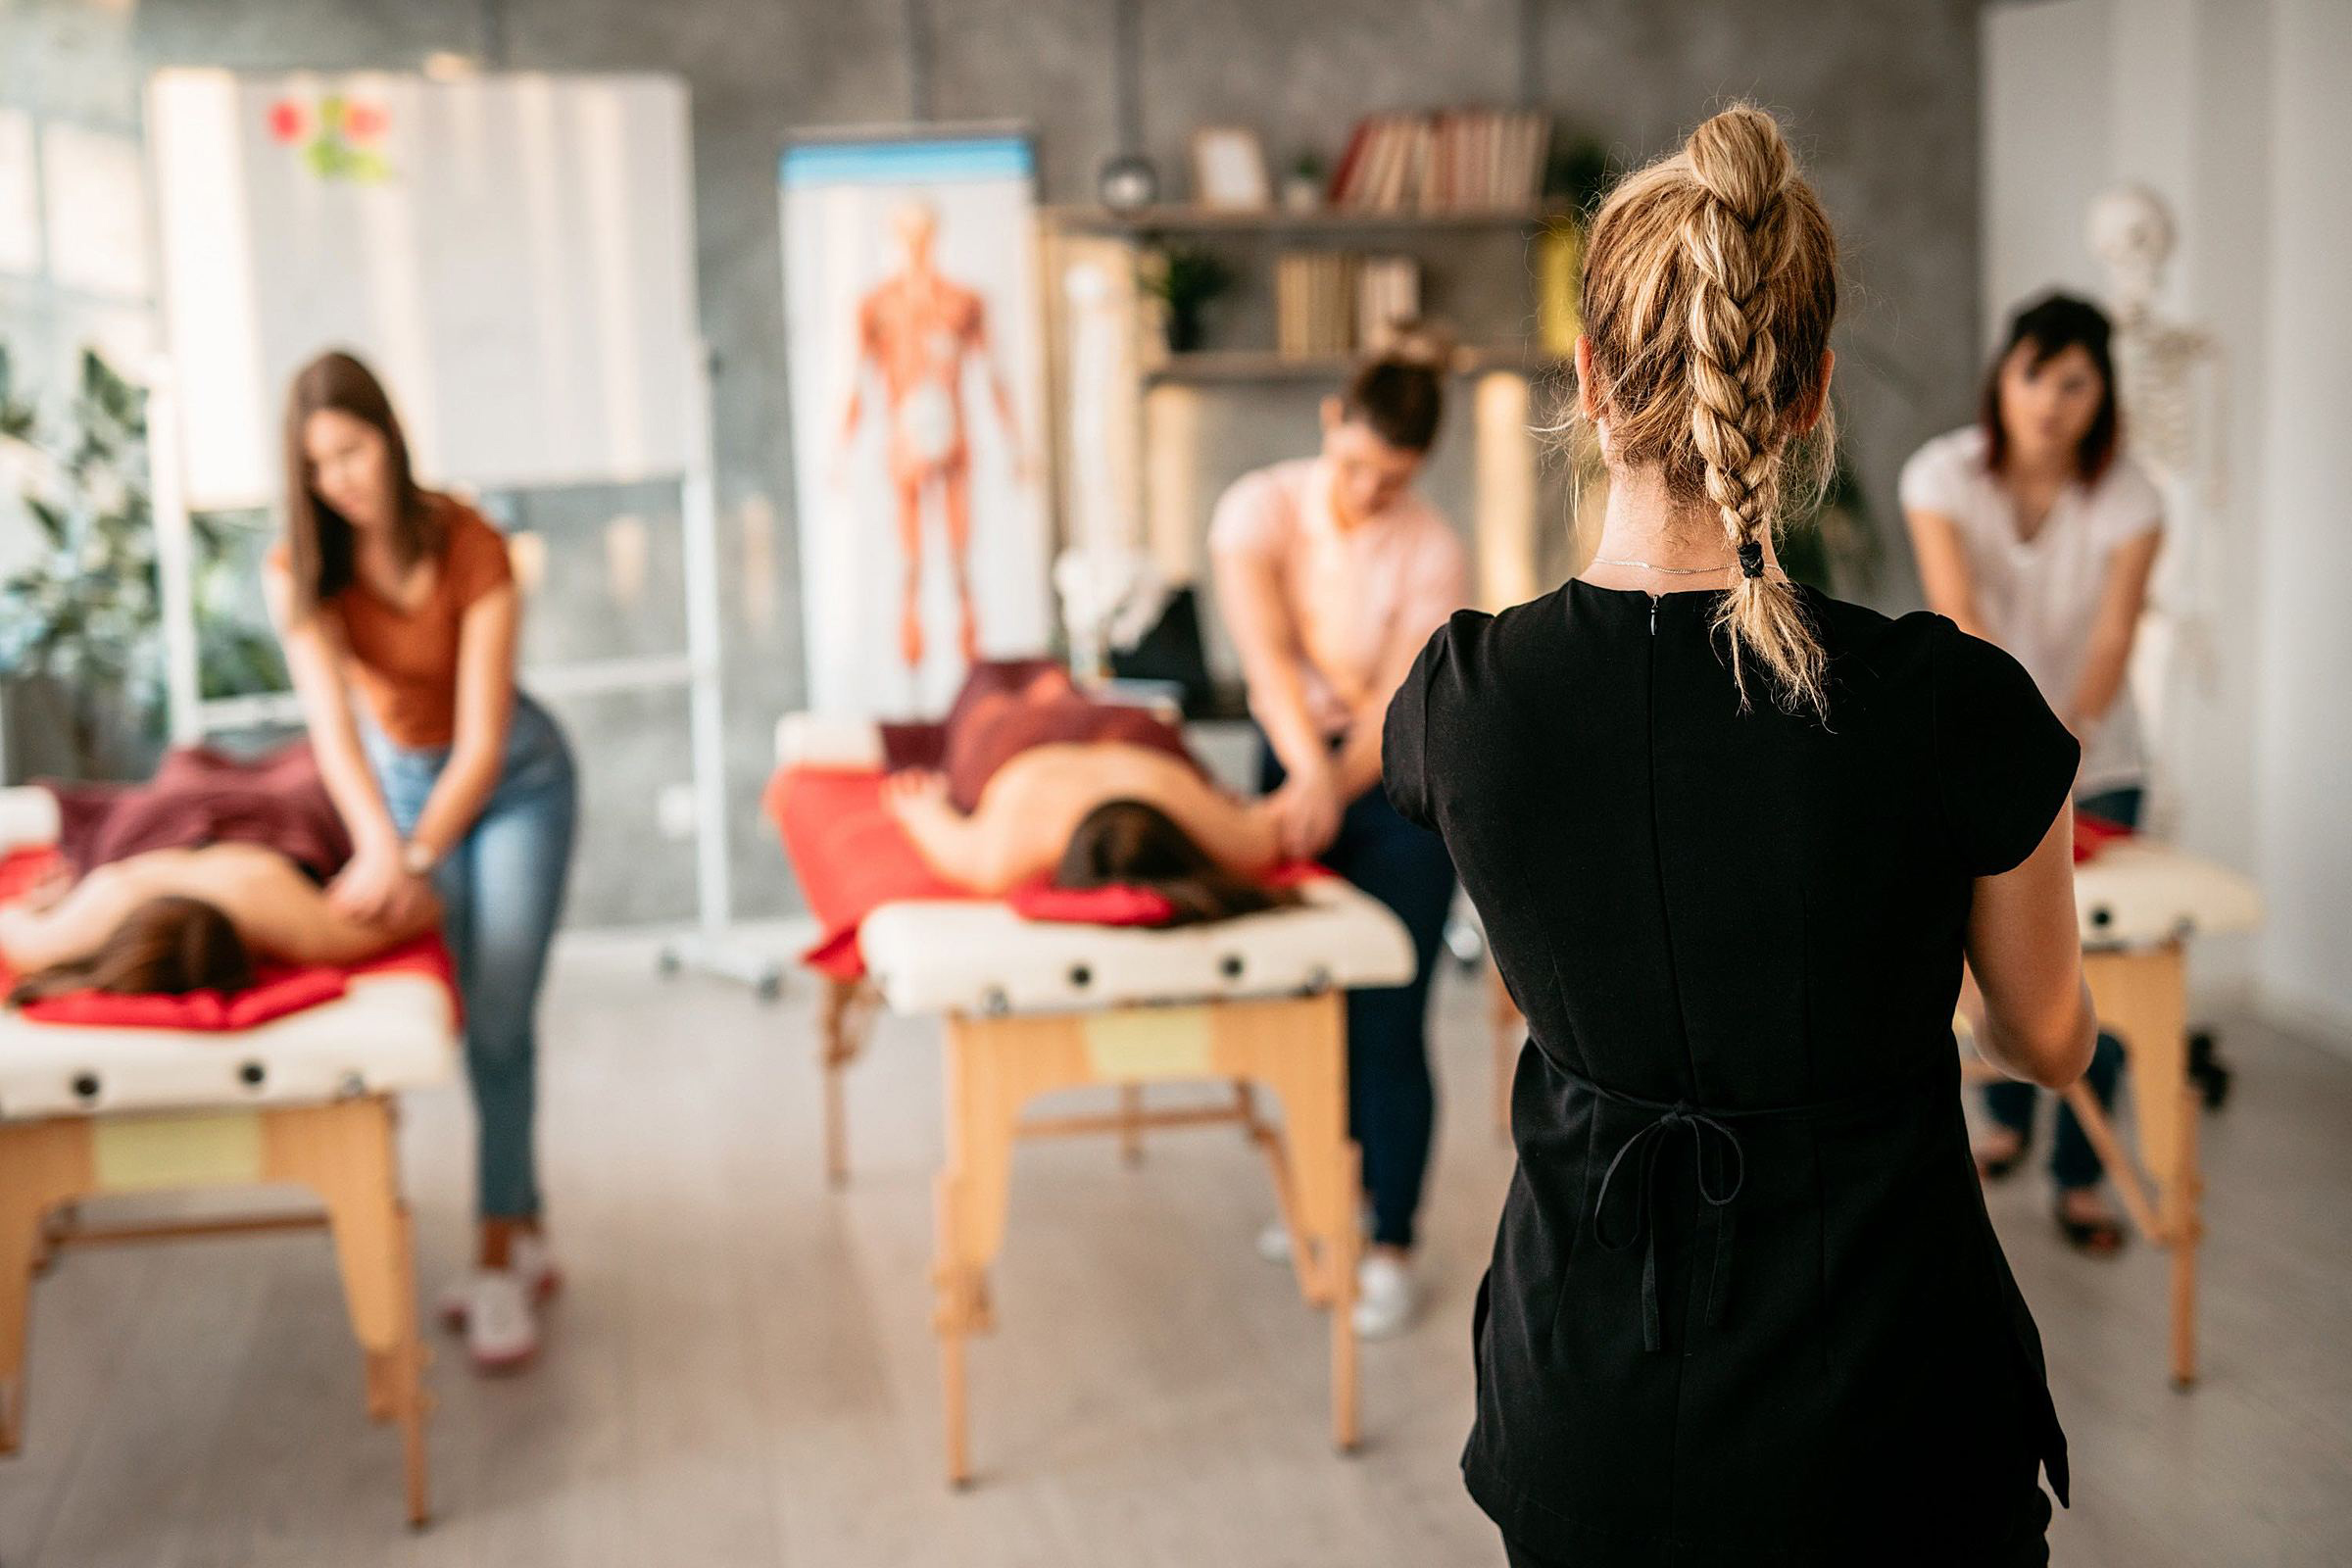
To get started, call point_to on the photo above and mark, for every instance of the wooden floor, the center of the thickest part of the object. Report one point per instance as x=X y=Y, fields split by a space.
x=741 y=1372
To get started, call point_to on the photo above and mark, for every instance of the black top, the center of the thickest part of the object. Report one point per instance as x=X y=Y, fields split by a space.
x=1746 y=1307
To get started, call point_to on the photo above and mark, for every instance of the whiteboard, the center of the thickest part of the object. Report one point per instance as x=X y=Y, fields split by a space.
x=512 y=254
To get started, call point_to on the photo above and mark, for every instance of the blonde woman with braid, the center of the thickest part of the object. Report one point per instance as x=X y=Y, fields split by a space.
x=1733 y=840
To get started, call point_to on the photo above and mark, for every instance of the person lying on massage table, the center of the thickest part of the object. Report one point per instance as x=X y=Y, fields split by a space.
x=1039 y=779
x=185 y=883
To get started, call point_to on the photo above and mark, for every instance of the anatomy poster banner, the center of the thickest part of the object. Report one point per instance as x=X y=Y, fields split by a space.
x=911 y=301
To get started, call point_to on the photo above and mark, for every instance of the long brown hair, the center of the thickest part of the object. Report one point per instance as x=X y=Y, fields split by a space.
x=1127 y=843
x=170 y=945
x=1710 y=283
x=318 y=539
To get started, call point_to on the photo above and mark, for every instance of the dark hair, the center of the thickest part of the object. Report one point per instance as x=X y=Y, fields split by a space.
x=318 y=543
x=1401 y=396
x=168 y=944
x=1127 y=843
x=2052 y=325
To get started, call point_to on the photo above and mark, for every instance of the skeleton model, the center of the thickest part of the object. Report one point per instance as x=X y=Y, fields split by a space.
x=2168 y=381
x=2159 y=364
x=915 y=330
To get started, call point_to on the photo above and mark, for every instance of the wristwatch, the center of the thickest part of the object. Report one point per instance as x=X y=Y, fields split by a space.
x=416 y=858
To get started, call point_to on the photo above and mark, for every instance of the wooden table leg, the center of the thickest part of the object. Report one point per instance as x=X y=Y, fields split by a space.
x=844 y=1013
x=954 y=1319
x=2184 y=1220
x=2141 y=996
x=1345 y=1381
x=1301 y=1057
x=994 y=1066
x=42 y=1164
x=345 y=1154
x=1131 y=1127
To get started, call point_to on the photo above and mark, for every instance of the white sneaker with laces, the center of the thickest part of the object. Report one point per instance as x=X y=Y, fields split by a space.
x=528 y=1258
x=502 y=1328
x=1386 y=1296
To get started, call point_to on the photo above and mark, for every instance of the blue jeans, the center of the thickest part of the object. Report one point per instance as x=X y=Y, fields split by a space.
x=2074 y=1164
x=501 y=889
x=1392 y=1098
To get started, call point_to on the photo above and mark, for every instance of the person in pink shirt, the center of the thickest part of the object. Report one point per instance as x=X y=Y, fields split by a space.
x=1331 y=573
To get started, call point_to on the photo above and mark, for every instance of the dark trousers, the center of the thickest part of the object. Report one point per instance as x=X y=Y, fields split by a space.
x=1391 y=1100
x=2074 y=1164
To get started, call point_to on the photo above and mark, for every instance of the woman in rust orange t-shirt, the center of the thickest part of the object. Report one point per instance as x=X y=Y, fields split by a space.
x=450 y=778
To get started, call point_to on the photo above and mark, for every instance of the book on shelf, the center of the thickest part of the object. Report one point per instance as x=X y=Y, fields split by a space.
x=1314 y=303
x=1387 y=296
x=1448 y=161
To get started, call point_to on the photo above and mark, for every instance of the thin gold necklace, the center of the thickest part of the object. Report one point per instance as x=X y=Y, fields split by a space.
x=1670 y=571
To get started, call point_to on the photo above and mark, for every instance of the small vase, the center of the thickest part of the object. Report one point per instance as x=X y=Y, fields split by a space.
x=1184 y=331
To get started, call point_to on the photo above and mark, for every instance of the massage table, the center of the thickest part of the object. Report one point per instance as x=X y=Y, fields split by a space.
x=90 y=1110
x=1031 y=1007
x=2137 y=904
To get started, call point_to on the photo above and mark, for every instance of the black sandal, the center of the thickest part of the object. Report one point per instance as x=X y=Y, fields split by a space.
x=1993 y=1171
x=2101 y=1238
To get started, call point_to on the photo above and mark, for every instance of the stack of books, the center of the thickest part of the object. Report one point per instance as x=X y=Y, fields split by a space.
x=1451 y=160
x=1387 y=297
x=1314 y=303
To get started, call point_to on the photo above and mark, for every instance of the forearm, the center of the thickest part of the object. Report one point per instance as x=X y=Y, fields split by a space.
x=457 y=798
x=72 y=928
x=2024 y=1052
x=1278 y=702
x=352 y=785
x=2099 y=684
x=1355 y=767
x=314 y=661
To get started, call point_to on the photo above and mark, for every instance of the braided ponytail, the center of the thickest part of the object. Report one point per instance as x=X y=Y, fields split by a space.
x=1710 y=282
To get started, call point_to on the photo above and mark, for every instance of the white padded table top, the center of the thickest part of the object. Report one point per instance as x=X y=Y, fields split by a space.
x=982 y=958
x=2137 y=893
x=393 y=1030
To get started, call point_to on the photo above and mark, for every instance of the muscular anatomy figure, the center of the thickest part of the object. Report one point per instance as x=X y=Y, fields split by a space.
x=915 y=330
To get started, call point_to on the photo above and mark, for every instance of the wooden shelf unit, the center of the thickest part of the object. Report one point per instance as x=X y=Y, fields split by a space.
x=1173 y=219
x=1243 y=367
x=1132 y=444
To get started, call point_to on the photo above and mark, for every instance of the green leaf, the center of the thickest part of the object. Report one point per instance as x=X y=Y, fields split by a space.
x=52 y=521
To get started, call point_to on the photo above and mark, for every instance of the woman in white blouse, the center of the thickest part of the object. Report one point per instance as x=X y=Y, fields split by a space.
x=2035 y=531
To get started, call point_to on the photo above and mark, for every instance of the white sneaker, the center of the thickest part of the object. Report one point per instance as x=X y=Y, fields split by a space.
x=502 y=1328
x=528 y=1258
x=1274 y=1242
x=1386 y=1296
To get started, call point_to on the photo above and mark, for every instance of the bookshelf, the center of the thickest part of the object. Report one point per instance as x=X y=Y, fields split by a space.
x=1241 y=366
x=1320 y=221
x=1136 y=424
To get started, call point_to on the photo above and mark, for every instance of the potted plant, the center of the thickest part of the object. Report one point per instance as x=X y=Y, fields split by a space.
x=81 y=664
x=1302 y=185
x=1185 y=279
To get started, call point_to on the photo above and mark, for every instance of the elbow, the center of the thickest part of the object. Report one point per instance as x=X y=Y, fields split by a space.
x=2060 y=1055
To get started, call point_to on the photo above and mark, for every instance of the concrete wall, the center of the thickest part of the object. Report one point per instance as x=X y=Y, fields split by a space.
x=1883 y=98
